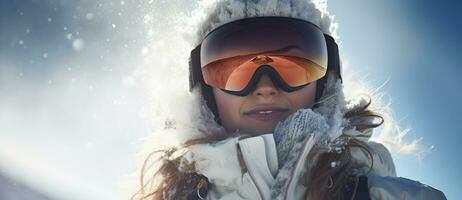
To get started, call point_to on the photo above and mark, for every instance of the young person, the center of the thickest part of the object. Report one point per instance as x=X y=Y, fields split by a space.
x=270 y=74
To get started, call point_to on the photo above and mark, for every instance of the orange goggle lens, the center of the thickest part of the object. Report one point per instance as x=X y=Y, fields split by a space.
x=235 y=73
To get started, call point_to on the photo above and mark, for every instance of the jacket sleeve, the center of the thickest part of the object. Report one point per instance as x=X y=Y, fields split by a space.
x=394 y=188
x=382 y=181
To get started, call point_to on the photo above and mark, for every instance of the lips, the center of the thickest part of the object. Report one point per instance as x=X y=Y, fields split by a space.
x=266 y=113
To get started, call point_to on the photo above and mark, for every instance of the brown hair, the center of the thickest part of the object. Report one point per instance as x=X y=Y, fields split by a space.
x=175 y=178
x=327 y=181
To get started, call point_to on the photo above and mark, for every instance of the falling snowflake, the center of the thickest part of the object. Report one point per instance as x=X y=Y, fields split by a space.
x=144 y=51
x=78 y=44
x=129 y=81
x=89 y=16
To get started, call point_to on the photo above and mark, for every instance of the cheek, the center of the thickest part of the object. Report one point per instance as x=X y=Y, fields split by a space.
x=303 y=98
x=228 y=108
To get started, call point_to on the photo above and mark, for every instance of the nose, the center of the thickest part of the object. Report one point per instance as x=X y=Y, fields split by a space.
x=265 y=87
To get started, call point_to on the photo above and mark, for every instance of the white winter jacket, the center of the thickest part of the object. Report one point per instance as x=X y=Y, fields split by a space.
x=246 y=168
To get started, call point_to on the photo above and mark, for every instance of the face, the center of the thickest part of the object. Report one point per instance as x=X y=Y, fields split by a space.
x=266 y=104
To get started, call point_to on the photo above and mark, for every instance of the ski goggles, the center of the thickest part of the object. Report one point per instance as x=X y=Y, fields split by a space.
x=293 y=52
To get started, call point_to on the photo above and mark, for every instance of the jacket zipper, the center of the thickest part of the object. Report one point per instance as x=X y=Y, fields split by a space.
x=245 y=170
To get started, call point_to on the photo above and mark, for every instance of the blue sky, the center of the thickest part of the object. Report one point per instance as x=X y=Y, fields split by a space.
x=71 y=107
x=71 y=94
x=415 y=46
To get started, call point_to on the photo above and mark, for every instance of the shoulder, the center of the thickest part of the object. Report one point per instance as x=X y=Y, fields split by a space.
x=387 y=187
x=381 y=181
x=374 y=158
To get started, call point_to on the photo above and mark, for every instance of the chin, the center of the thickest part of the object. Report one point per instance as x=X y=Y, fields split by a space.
x=264 y=130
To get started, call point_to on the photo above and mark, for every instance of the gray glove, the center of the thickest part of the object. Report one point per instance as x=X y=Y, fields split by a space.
x=294 y=129
x=294 y=139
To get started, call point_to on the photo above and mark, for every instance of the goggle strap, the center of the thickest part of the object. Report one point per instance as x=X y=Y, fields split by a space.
x=333 y=58
x=195 y=67
x=333 y=64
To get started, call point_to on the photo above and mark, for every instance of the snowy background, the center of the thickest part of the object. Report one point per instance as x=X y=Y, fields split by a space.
x=73 y=87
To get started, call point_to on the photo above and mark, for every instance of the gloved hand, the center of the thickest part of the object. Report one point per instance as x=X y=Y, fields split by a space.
x=294 y=129
x=294 y=138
